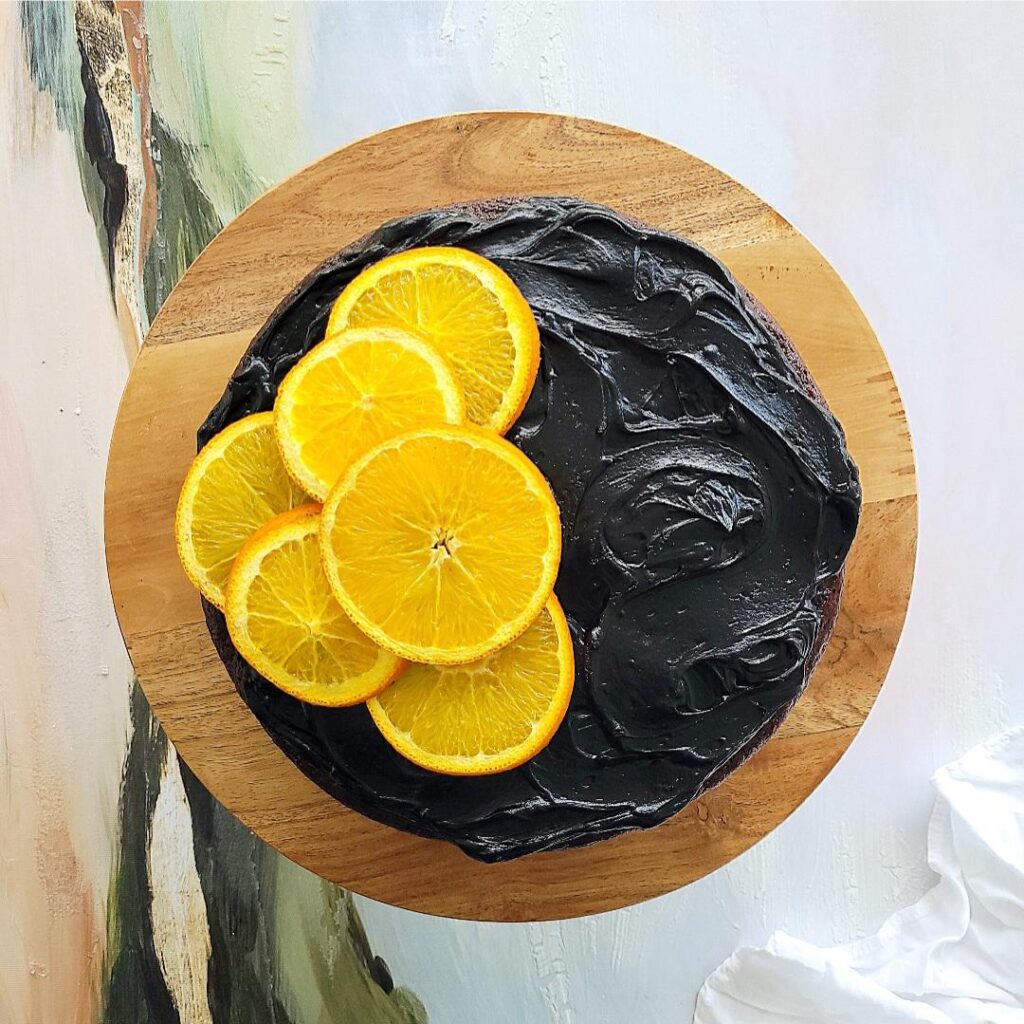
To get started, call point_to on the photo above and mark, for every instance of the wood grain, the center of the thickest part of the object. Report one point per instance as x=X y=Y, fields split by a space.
x=223 y=300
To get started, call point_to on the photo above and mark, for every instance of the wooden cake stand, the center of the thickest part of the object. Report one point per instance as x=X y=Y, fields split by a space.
x=224 y=299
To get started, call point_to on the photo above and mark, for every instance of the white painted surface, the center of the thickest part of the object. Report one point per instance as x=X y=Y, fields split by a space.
x=181 y=931
x=892 y=137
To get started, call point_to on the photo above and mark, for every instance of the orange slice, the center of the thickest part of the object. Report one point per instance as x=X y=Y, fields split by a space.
x=353 y=391
x=468 y=309
x=442 y=544
x=284 y=620
x=235 y=485
x=487 y=716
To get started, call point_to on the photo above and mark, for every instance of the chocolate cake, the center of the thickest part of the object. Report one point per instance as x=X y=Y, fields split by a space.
x=708 y=502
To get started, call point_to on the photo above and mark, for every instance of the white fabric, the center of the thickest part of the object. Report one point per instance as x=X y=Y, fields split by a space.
x=954 y=957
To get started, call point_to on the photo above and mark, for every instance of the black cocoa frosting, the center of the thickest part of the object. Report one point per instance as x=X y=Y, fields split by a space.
x=707 y=498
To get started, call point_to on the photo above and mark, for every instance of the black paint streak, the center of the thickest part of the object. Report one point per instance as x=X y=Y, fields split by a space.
x=99 y=145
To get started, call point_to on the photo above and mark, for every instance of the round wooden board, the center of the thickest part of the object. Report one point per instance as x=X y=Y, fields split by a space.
x=223 y=300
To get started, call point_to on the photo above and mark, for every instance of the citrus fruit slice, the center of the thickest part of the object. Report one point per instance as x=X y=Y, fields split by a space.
x=468 y=308
x=354 y=390
x=284 y=620
x=442 y=544
x=235 y=485
x=487 y=716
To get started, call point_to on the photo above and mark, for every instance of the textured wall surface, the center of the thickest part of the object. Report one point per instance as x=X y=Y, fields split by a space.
x=890 y=135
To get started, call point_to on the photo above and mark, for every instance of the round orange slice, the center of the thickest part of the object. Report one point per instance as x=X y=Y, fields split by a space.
x=354 y=390
x=488 y=716
x=468 y=308
x=284 y=620
x=235 y=485
x=442 y=544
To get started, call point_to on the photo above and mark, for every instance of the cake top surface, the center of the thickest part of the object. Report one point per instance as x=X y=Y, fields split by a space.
x=707 y=499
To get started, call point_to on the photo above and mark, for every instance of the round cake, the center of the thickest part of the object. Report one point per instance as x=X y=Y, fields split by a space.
x=708 y=502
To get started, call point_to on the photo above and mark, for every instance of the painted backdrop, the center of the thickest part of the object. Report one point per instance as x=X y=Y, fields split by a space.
x=131 y=132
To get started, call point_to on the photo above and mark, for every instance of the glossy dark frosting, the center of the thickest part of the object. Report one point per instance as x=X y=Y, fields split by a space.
x=708 y=501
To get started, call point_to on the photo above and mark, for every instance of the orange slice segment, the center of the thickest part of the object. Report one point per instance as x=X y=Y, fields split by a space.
x=488 y=716
x=353 y=391
x=284 y=620
x=468 y=308
x=442 y=544
x=235 y=485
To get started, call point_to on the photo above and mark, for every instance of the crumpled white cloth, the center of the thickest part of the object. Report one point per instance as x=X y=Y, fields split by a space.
x=954 y=957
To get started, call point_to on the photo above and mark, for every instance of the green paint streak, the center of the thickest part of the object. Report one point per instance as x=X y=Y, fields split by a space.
x=323 y=951
x=223 y=78
x=48 y=31
x=186 y=220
